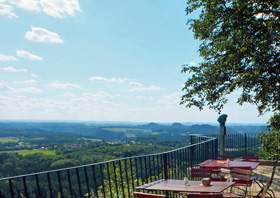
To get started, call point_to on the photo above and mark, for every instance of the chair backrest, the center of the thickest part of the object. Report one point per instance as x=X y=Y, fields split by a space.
x=272 y=176
x=205 y=195
x=147 y=195
x=241 y=174
x=264 y=190
x=200 y=172
x=241 y=171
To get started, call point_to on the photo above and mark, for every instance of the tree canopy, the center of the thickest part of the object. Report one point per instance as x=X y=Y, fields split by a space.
x=240 y=51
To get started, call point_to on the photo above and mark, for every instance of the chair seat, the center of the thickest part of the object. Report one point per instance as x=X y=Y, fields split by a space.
x=240 y=182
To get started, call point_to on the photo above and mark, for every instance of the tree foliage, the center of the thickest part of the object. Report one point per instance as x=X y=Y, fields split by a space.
x=240 y=51
x=270 y=141
x=270 y=145
x=274 y=122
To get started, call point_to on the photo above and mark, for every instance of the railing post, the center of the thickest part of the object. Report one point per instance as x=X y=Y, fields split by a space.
x=245 y=144
x=216 y=145
x=192 y=155
x=191 y=139
x=213 y=149
x=208 y=150
x=165 y=166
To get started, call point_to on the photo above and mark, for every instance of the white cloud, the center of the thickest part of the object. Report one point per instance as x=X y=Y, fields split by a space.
x=53 y=8
x=139 y=87
x=4 y=57
x=34 y=75
x=28 y=55
x=7 y=10
x=134 y=85
x=13 y=70
x=168 y=100
x=145 y=88
x=28 y=90
x=30 y=5
x=108 y=80
x=41 y=35
x=4 y=87
x=24 y=87
x=104 y=106
x=60 y=8
x=16 y=70
x=91 y=98
x=63 y=85
x=26 y=82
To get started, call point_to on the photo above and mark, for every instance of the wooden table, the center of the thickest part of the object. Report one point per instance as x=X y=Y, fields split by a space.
x=171 y=185
x=215 y=164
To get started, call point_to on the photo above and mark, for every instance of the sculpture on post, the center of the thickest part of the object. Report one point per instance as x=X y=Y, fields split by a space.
x=222 y=121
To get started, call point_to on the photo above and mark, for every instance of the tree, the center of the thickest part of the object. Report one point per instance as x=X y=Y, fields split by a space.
x=270 y=142
x=274 y=122
x=240 y=50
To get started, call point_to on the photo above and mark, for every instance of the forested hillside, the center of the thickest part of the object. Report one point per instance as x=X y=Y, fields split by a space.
x=55 y=145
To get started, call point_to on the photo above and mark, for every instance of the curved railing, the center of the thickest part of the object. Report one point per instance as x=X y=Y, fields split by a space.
x=114 y=178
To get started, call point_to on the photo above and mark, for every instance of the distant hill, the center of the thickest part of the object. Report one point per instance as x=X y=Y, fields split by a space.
x=151 y=125
x=203 y=129
x=119 y=132
x=178 y=125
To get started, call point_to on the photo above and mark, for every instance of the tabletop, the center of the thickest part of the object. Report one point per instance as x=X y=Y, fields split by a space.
x=228 y=164
x=171 y=185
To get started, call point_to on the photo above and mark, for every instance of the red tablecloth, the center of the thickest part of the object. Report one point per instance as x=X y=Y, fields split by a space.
x=171 y=185
x=215 y=164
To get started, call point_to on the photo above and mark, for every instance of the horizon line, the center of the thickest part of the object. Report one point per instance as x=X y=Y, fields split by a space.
x=135 y=122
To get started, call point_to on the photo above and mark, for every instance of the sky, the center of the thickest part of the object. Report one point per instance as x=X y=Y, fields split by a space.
x=115 y=60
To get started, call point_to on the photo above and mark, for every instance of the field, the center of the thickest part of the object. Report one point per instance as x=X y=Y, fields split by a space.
x=46 y=152
x=8 y=140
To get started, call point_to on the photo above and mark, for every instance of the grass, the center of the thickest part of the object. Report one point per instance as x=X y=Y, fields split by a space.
x=25 y=152
x=8 y=140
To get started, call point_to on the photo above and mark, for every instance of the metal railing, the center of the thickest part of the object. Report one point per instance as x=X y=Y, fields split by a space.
x=237 y=144
x=115 y=178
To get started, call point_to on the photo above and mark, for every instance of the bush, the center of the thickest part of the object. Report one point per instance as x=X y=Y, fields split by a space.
x=270 y=145
x=270 y=141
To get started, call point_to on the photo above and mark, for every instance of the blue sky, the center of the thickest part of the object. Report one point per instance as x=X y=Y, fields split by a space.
x=117 y=60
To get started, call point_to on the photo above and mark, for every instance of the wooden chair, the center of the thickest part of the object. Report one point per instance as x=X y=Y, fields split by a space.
x=265 y=189
x=147 y=195
x=200 y=173
x=242 y=178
